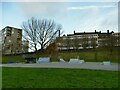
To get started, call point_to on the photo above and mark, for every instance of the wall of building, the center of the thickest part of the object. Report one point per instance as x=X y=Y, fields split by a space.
x=11 y=40
x=87 y=40
x=25 y=46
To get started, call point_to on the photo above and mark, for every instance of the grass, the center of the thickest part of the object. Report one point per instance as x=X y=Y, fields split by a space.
x=87 y=55
x=0 y=77
x=58 y=78
x=16 y=58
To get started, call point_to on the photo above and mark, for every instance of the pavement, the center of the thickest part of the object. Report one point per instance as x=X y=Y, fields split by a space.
x=86 y=65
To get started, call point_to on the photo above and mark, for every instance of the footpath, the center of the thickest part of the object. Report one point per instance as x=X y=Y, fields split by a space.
x=86 y=65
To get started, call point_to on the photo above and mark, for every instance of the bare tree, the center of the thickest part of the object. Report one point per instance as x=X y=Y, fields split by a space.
x=40 y=32
x=59 y=41
x=94 y=45
x=108 y=44
x=112 y=41
x=93 y=42
x=76 y=43
x=85 y=42
x=68 y=43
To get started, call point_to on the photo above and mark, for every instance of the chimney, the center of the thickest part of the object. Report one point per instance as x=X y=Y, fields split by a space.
x=59 y=33
x=107 y=31
x=74 y=31
x=112 y=32
x=95 y=31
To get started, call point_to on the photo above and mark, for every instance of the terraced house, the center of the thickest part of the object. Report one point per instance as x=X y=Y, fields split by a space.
x=86 y=40
x=12 y=41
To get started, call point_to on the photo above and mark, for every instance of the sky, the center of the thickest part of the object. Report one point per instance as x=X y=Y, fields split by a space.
x=79 y=16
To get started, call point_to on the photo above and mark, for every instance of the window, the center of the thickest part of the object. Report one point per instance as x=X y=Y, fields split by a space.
x=12 y=31
x=8 y=34
x=8 y=47
x=9 y=41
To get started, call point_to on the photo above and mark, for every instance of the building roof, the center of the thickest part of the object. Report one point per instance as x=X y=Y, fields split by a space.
x=83 y=33
x=12 y=27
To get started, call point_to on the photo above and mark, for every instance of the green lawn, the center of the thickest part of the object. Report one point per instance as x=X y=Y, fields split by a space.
x=58 y=78
x=88 y=55
x=16 y=58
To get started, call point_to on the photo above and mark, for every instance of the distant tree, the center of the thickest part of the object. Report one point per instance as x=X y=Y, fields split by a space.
x=25 y=46
x=76 y=43
x=85 y=42
x=67 y=43
x=118 y=41
x=51 y=49
x=93 y=42
x=59 y=41
x=40 y=32
x=109 y=43
x=112 y=41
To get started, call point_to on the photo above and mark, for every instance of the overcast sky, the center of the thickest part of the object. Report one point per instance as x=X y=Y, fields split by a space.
x=78 y=16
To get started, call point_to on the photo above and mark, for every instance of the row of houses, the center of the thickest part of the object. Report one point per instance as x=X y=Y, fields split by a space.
x=12 y=42
x=84 y=40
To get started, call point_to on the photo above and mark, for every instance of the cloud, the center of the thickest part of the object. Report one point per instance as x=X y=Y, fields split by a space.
x=111 y=20
x=41 y=9
x=97 y=19
x=88 y=7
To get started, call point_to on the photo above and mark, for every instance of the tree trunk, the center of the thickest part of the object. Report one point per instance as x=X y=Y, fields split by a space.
x=35 y=48
x=42 y=48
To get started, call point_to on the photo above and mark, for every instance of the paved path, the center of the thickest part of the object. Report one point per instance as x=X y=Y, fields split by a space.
x=86 y=65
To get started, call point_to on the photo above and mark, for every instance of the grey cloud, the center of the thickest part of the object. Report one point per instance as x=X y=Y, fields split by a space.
x=88 y=7
x=42 y=8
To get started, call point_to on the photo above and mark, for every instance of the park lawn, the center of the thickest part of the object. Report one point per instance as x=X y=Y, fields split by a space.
x=58 y=78
x=87 y=55
x=15 y=58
